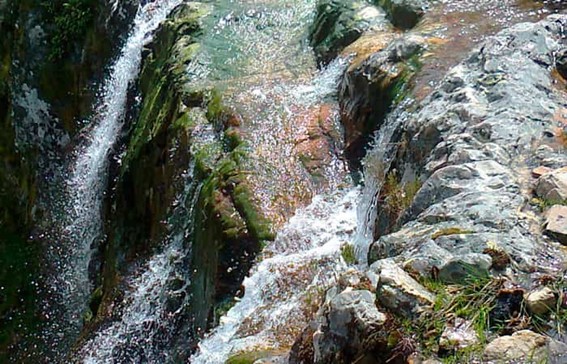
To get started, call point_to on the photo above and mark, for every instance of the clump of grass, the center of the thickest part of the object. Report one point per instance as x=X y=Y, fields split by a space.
x=348 y=254
x=450 y=231
x=473 y=301
x=544 y=203
x=399 y=197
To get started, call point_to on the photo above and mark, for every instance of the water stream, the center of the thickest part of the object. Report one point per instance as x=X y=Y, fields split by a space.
x=87 y=181
x=256 y=54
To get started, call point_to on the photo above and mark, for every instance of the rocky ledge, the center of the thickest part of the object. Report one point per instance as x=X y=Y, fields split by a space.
x=467 y=262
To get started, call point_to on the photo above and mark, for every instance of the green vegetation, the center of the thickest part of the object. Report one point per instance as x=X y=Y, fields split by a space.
x=450 y=231
x=248 y=357
x=472 y=301
x=400 y=87
x=543 y=204
x=398 y=197
x=71 y=20
x=348 y=254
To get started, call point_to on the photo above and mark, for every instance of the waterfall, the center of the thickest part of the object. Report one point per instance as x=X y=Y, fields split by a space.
x=87 y=180
x=303 y=261
x=376 y=164
x=156 y=299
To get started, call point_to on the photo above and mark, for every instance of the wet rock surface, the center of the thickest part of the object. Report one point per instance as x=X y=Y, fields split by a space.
x=404 y=14
x=339 y=23
x=371 y=88
x=469 y=147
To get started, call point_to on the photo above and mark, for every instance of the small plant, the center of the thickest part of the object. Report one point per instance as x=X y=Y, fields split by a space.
x=399 y=197
x=348 y=254
x=450 y=231
x=473 y=301
x=70 y=21
x=543 y=203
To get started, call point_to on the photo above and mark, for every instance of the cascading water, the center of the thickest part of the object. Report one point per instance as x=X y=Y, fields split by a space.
x=376 y=163
x=298 y=266
x=88 y=177
x=157 y=297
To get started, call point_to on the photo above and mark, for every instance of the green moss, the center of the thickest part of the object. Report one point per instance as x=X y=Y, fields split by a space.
x=348 y=254
x=400 y=86
x=543 y=203
x=70 y=20
x=450 y=231
x=248 y=357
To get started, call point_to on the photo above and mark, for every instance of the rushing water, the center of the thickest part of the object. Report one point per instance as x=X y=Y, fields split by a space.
x=157 y=298
x=87 y=180
x=282 y=289
x=255 y=52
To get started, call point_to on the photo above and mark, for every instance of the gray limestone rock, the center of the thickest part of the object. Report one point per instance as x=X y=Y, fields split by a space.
x=346 y=323
x=466 y=142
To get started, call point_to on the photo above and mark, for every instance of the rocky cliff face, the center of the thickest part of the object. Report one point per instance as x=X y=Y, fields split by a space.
x=47 y=73
x=460 y=259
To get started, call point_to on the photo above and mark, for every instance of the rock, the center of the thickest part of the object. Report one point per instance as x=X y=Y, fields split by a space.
x=556 y=223
x=552 y=186
x=523 y=346
x=370 y=89
x=541 y=300
x=398 y=291
x=540 y=171
x=462 y=142
x=404 y=14
x=463 y=269
x=346 y=324
x=338 y=23
x=458 y=335
x=561 y=63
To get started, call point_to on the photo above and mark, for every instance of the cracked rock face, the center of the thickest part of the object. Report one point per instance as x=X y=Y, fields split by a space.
x=467 y=141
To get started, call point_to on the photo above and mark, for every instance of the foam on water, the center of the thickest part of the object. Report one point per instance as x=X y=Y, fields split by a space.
x=302 y=261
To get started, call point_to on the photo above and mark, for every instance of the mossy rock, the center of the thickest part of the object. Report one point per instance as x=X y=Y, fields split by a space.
x=249 y=357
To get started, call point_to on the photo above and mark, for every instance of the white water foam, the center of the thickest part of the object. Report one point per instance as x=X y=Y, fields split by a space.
x=304 y=258
x=87 y=182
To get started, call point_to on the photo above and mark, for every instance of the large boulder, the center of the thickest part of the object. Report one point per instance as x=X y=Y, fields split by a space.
x=348 y=327
x=339 y=23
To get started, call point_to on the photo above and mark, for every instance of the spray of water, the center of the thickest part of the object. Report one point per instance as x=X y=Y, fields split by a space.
x=303 y=261
x=88 y=177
